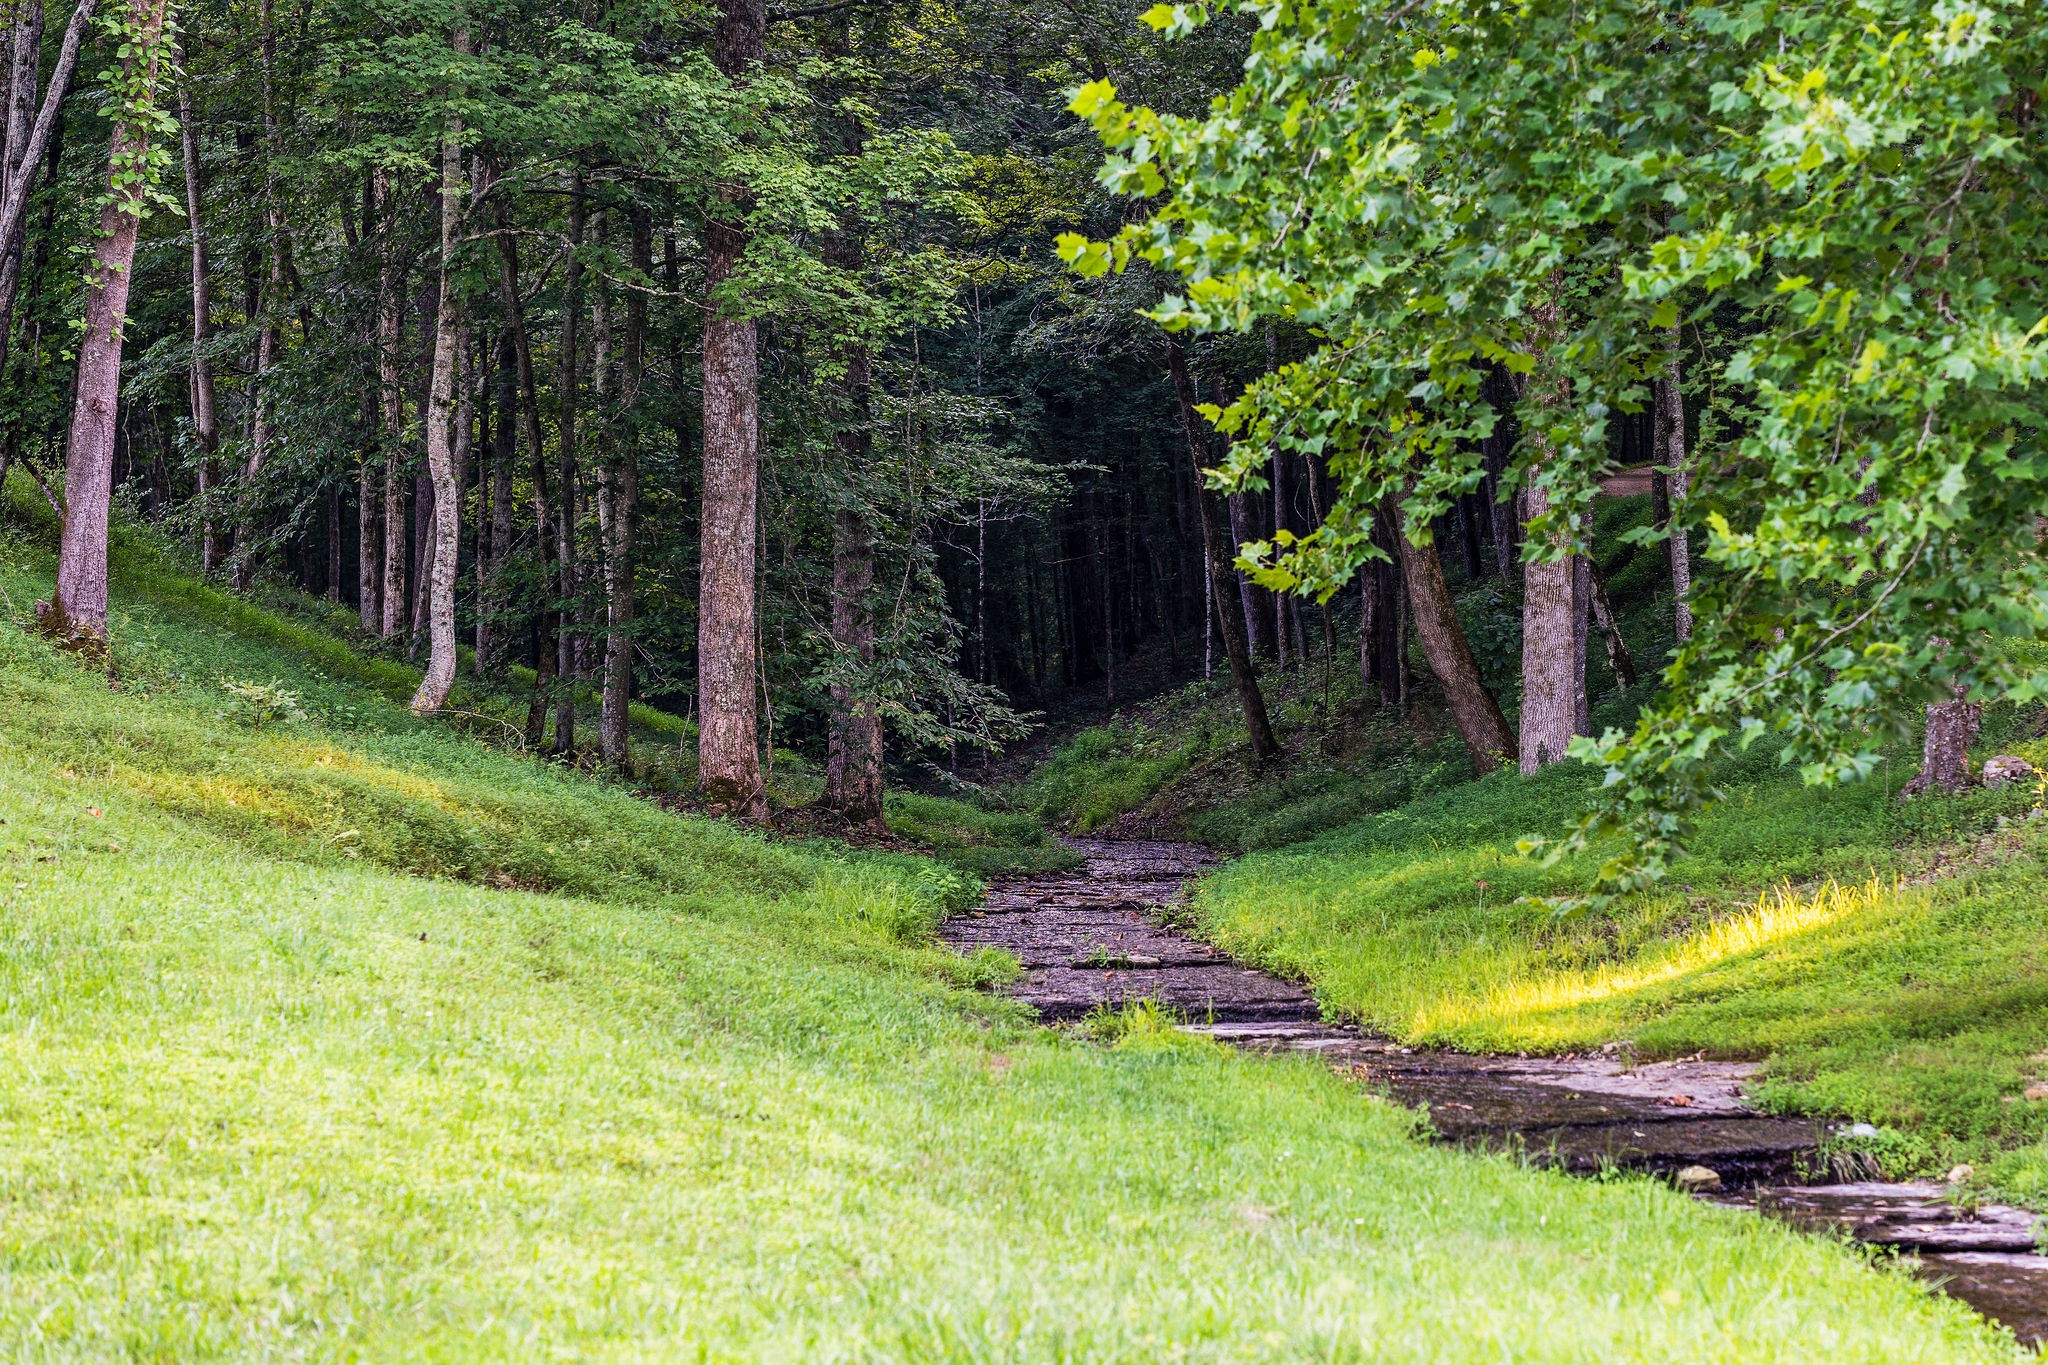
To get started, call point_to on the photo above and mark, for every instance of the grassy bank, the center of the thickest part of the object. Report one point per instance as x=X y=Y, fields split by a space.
x=1889 y=959
x=348 y=1036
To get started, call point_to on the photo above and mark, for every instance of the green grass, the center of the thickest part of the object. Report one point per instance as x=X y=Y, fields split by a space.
x=1903 y=980
x=525 y=1067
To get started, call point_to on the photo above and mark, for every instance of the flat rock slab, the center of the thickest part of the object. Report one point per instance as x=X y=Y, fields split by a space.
x=1097 y=938
x=1912 y=1216
x=2007 y=1287
x=1092 y=940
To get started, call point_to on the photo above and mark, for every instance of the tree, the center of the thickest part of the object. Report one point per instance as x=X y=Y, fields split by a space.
x=76 y=613
x=1865 y=504
x=450 y=340
x=728 y=745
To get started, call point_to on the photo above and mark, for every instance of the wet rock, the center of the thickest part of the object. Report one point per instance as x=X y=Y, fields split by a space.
x=1959 y=1175
x=2005 y=769
x=1698 y=1179
x=1860 y=1130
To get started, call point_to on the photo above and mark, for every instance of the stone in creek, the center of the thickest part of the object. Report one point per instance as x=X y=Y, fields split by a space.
x=1698 y=1179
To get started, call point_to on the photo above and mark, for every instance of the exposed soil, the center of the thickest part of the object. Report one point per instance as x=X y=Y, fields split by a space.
x=1101 y=936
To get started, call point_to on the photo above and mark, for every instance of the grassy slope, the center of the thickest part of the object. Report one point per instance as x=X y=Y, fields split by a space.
x=356 y=1038
x=1909 y=999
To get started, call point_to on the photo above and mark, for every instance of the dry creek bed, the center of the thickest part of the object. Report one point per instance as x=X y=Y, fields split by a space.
x=1098 y=937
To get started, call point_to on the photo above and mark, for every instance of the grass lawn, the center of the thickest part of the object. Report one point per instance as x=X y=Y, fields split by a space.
x=350 y=1037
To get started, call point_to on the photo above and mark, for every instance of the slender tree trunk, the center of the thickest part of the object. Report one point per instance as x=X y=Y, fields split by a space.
x=205 y=407
x=728 y=745
x=1618 y=661
x=569 y=388
x=77 y=611
x=1236 y=643
x=332 y=586
x=449 y=343
x=1670 y=409
x=494 y=508
x=853 y=764
x=248 y=542
x=545 y=625
x=1474 y=712
x=615 y=721
x=391 y=407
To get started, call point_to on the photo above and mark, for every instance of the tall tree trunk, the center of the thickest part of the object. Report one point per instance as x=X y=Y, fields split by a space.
x=494 y=492
x=1229 y=619
x=1553 y=626
x=1553 y=652
x=545 y=625
x=77 y=611
x=247 y=541
x=449 y=343
x=1474 y=712
x=568 y=390
x=728 y=746
x=391 y=406
x=205 y=406
x=853 y=765
x=1670 y=410
x=614 y=715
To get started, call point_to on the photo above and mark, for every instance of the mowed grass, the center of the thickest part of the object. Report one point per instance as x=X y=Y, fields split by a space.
x=350 y=1037
x=1889 y=960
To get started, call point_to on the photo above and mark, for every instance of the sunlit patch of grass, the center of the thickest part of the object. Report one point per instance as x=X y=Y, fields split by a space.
x=1527 y=1008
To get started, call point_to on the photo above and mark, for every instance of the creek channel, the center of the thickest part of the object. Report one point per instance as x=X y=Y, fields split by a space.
x=1099 y=936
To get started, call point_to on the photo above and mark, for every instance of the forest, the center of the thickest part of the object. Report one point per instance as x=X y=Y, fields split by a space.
x=736 y=538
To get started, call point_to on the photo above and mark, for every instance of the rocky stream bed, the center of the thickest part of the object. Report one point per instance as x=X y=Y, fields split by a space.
x=1097 y=936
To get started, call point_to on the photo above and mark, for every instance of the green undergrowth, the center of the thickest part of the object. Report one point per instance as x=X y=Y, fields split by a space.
x=351 y=1037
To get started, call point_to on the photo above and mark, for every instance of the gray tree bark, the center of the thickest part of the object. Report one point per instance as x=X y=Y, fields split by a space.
x=449 y=344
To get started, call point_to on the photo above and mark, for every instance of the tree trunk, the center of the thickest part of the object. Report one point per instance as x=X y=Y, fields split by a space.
x=1474 y=712
x=1230 y=620
x=205 y=407
x=449 y=343
x=1945 y=750
x=853 y=764
x=494 y=491
x=545 y=624
x=268 y=341
x=391 y=408
x=76 y=613
x=1670 y=409
x=728 y=747
x=568 y=388
x=1618 y=661
x=1553 y=654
